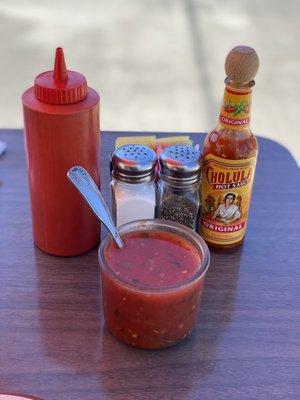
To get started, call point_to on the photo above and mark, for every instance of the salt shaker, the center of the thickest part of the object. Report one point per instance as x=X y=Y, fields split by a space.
x=133 y=188
x=178 y=188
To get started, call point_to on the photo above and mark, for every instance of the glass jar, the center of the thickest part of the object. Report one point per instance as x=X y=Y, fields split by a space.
x=178 y=188
x=138 y=309
x=133 y=188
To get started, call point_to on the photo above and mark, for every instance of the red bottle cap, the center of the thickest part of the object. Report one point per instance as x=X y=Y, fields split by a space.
x=60 y=86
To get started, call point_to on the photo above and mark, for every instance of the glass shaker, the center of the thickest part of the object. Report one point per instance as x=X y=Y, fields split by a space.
x=133 y=187
x=178 y=188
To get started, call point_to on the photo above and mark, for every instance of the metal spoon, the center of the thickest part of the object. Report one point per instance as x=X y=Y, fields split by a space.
x=82 y=180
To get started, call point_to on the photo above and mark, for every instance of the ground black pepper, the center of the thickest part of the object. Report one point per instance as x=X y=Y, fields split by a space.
x=178 y=208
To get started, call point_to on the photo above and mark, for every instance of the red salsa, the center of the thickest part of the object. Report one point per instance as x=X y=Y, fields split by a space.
x=156 y=259
x=150 y=297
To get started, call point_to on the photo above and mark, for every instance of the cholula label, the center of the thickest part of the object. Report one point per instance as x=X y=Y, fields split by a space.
x=235 y=110
x=225 y=194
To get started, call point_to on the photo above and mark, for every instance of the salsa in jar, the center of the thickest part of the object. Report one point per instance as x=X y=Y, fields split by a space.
x=152 y=287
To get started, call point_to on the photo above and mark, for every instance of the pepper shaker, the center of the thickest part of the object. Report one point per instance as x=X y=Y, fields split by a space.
x=178 y=188
x=133 y=188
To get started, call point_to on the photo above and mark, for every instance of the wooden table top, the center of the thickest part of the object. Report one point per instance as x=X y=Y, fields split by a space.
x=246 y=345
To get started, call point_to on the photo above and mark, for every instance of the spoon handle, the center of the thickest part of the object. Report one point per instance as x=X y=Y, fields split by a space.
x=82 y=180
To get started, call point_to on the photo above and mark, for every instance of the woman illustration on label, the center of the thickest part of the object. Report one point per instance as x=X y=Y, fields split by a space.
x=227 y=212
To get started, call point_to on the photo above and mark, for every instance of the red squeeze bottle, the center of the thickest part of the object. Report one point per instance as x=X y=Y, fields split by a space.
x=61 y=121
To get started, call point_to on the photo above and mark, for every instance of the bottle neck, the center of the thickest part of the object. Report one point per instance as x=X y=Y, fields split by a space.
x=235 y=111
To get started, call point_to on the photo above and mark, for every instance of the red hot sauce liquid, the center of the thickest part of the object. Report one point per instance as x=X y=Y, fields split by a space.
x=149 y=299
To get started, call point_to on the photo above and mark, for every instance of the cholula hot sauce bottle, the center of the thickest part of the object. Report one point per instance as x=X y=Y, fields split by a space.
x=229 y=156
x=61 y=121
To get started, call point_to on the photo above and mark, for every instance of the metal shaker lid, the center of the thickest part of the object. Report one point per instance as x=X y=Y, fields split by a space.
x=134 y=163
x=180 y=164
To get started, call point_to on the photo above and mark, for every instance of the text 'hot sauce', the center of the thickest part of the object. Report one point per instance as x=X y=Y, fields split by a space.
x=152 y=287
x=229 y=156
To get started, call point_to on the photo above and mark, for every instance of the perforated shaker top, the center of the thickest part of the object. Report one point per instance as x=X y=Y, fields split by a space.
x=181 y=163
x=134 y=163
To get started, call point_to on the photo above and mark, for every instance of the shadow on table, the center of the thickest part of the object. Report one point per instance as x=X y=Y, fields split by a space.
x=73 y=336
x=217 y=308
x=69 y=298
x=185 y=365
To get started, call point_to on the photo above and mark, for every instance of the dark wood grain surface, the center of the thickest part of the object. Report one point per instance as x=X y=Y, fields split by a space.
x=247 y=341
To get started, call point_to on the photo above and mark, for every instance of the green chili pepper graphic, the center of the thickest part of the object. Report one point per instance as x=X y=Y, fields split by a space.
x=239 y=108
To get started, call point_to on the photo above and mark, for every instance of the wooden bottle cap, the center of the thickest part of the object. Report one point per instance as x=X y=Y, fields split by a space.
x=241 y=65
